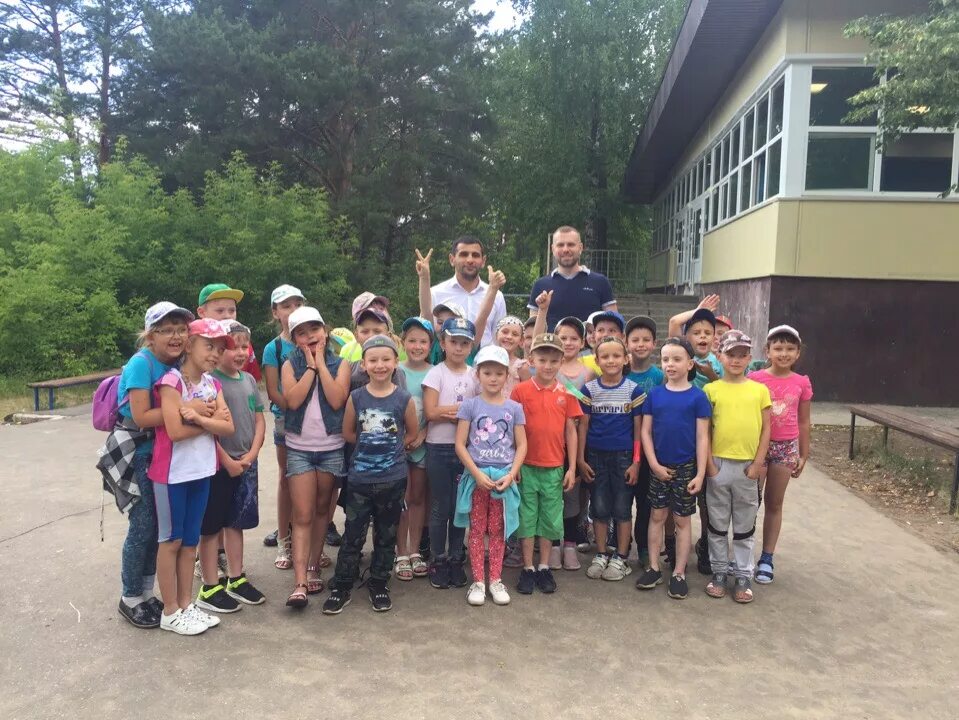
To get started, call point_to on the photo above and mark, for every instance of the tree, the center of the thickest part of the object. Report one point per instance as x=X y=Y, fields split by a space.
x=919 y=56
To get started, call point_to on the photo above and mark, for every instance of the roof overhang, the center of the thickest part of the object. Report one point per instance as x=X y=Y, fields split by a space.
x=714 y=40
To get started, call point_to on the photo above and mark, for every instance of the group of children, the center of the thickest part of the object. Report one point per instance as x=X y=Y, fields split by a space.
x=426 y=435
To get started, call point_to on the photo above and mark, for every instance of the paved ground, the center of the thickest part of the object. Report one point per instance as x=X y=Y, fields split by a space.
x=861 y=623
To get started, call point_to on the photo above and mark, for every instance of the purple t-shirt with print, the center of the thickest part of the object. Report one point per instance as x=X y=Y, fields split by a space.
x=491 y=442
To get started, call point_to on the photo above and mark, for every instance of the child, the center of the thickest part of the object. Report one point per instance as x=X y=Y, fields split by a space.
x=184 y=461
x=791 y=396
x=723 y=324
x=607 y=323
x=491 y=443
x=740 y=442
x=316 y=383
x=441 y=312
x=161 y=345
x=283 y=301
x=417 y=340
x=509 y=336
x=610 y=429
x=219 y=302
x=550 y=424
x=232 y=505
x=528 y=335
x=379 y=421
x=445 y=387
x=641 y=342
x=571 y=331
x=352 y=349
x=676 y=444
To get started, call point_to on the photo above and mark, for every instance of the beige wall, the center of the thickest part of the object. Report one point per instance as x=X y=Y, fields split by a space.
x=661 y=270
x=866 y=239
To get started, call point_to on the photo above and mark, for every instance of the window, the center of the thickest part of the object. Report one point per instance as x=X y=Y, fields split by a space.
x=775 y=159
x=920 y=162
x=776 y=107
x=745 y=199
x=759 y=178
x=839 y=162
x=831 y=89
x=762 y=120
x=748 y=129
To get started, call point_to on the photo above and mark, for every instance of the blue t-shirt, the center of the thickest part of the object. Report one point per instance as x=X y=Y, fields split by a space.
x=648 y=379
x=270 y=358
x=611 y=411
x=674 y=416
x=579 y=296
x=380 y=451
x=491 y=439
x=414 y=385
x=141 y=372
x=701 y=380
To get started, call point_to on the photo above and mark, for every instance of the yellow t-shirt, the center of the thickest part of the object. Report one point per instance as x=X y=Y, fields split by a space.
x=590 y=362
x=737 y=417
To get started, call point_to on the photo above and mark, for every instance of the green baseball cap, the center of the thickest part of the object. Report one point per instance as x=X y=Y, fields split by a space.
x=216 y=291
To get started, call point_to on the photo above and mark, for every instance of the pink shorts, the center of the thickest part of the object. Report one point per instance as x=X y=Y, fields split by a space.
x=783 y=452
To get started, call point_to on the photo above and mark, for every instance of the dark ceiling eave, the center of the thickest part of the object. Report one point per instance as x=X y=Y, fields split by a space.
x=713 y=42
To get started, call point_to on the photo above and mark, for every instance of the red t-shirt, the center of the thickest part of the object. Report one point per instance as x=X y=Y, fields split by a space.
x=546 y=410
x=252 y=366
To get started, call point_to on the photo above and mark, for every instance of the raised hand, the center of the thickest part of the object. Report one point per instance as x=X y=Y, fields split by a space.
x=544 y=299
x=710 y=302
x=423 y=262
x=496 y=278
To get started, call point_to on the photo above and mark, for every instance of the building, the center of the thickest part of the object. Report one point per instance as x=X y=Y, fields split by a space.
x=763 y=194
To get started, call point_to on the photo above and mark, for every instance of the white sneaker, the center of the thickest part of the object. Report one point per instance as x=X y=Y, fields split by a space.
x=477 y=594
x=570 y=558
x=617 y=569
x=197 y=614
x=181 y=623
x=556 y=557
x=498 y=591
x=597 y=567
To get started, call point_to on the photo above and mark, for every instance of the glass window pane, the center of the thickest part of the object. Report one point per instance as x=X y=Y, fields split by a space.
x=830 y=91
x=734 y=149
x=917 y=163
x=759 y=178
x=715 y=208
x=776 y=109
x=762 y=116
x=723 y=201
x=733 y=194
x=775 y=157
x=709 y=168
x=724 y=168
x=748 y=129
x=839 y=162
x=745 y=199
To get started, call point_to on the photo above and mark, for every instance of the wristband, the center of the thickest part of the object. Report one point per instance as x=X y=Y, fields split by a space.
x=637 y=451
x=313 y=368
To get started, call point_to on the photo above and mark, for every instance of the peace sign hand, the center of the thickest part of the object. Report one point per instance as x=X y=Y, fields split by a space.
x=423 y=262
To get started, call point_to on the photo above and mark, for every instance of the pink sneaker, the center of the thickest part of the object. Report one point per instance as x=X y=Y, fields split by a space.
x=555 y=558
x=570 y=558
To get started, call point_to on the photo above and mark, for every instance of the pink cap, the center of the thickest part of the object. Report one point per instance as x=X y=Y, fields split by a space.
x=364 y=300
x=212 y=330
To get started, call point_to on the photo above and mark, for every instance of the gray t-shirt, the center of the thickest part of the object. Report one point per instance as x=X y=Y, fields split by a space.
x=491 y=441
x=379 y=454
x=243 y=398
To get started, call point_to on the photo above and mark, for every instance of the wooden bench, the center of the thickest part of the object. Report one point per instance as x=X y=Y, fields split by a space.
x=912 y=424
x=51 y=386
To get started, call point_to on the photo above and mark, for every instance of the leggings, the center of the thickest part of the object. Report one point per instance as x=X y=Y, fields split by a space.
x=486 y=518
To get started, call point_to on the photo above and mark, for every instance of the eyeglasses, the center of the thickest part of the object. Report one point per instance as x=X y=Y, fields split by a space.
x=173 y=332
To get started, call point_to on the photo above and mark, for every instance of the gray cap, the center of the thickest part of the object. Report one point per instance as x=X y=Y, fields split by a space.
x=378 y=341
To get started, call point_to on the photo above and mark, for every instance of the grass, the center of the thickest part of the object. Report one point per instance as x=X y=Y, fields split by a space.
x=15 y=396
x=912 y=460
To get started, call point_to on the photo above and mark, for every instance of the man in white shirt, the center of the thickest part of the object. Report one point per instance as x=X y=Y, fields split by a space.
x=468 y=258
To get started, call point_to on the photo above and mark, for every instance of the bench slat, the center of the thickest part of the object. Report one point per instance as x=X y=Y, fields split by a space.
x=77 y=380
x=908 y=423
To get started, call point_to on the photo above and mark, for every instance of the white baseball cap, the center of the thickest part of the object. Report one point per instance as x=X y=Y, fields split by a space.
x=157 y=312
x=285 y=292
x=452 y=307
x=493 y=354
x=303 y=315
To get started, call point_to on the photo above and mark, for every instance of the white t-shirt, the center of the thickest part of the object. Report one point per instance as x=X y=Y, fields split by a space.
x=453 y=388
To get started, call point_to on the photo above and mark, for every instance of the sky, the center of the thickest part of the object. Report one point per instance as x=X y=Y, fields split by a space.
x=503 y=14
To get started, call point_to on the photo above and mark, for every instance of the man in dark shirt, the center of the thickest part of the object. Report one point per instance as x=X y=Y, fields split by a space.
x=577 y=291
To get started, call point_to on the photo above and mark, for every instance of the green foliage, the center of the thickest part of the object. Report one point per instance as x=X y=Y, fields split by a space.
x=920 y=54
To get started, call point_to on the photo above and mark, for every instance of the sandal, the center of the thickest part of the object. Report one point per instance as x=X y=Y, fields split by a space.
x=314 y=586
x=403 y=568
x=325 y=561
x=742 y=592
x=717 y=586
x=420 y=567
x=284 y=560
x=764 y=573
x=298 y=598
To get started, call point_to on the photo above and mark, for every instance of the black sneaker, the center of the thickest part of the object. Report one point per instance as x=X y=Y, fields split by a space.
x=271 y=539
x=379 y=596
x=242 y=589
x=545 y=582
x=333 y=537
x=156 y=605
x=649 y=579
x=457 y=574
x=671 y=552
x=527 y=581
x=425 y=545
x=215 y=599
x=702 y=559
x=440 y=574
x=678 y=588
x=339 y=598
x=140 y=616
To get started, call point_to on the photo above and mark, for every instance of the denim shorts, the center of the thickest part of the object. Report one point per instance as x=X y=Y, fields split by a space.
x=611 y=497
x=279 y=435
x=304 y=461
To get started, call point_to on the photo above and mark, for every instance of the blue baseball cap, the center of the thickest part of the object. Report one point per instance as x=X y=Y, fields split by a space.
x=458 y=327
x=699 y=315
x=420 y=322
x=609 y=315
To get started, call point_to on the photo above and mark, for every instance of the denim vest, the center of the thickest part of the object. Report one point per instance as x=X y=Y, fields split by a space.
x=332 y=419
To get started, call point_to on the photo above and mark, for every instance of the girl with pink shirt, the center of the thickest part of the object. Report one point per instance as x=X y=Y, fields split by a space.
x=791 y=396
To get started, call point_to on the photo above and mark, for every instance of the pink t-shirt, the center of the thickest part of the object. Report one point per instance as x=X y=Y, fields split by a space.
x=313 y=436
x=786 y=393
x=453 y=387
x=190 y=459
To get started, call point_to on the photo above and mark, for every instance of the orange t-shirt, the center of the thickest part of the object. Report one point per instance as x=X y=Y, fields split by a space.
x=546 y=410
